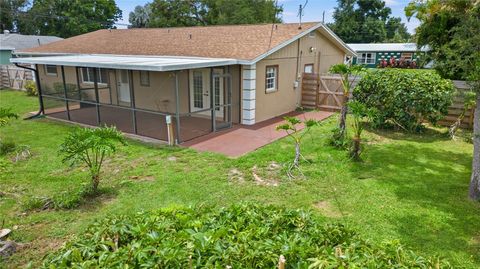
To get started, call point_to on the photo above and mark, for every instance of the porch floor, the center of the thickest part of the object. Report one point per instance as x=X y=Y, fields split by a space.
x=242 y=139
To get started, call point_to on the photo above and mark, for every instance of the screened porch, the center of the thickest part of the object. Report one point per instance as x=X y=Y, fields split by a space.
x=194 y=101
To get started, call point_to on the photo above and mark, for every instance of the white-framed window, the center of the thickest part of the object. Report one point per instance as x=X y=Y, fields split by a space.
x=308 y=68
x=407 y=56
x=88 y=75
x=145 y=78
x=271 y=78
x=51 y=70
x=366 y=58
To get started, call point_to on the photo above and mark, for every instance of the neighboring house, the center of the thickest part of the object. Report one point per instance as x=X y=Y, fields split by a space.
x=10 y=75
x=201 y=79
x=372 y=54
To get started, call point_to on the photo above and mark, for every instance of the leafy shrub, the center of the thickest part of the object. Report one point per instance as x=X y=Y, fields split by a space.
x=240 y=236
x=405 y=98
x=31 y=88
x=7 y=146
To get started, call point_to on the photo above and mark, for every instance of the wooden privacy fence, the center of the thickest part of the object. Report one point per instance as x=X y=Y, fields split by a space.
x=14 y=77
x=325 y=92
x=457 y=107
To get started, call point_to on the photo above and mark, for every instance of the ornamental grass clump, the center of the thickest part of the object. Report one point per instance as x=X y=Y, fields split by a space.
x=239 y=236
x=405 y=99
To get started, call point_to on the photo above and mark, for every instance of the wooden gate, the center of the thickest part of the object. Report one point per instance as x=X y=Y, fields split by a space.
x=324 y=92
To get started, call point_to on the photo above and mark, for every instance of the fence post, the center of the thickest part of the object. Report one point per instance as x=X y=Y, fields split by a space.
x=317 y=92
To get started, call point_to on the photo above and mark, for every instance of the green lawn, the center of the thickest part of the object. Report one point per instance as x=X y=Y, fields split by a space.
x=409 y=187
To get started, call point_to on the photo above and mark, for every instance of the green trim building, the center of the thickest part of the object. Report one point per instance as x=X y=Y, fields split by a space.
x=372 y=54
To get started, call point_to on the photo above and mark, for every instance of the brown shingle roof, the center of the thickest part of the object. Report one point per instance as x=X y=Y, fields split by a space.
x=243 y=42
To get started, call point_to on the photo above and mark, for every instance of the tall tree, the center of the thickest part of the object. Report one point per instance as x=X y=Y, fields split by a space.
x=140 y=16
x=171 y=13
x=367 y=21
x=66 y=18
x=9 y=12
x=451 y=28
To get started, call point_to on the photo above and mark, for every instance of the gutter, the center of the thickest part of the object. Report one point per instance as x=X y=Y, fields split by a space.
x=41 y=111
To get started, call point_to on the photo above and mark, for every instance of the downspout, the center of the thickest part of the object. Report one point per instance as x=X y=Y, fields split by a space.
x=39 y=89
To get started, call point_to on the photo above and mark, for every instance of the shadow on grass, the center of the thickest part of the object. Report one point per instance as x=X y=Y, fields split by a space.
x=428 y=135
x=433 y=184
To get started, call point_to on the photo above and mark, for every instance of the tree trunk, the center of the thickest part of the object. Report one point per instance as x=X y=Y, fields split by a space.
x=343 y=116
x=297 y=155
x=475 y=180
x=95 y=182
x=356 y=148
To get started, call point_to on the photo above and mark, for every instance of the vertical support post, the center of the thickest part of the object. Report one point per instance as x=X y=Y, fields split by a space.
x=132 y=100
x=177 y=111
x=95 y=86
x=249 y=86
x=39 y=89
x=65 y=91
x=212 y=100
x=78 y=84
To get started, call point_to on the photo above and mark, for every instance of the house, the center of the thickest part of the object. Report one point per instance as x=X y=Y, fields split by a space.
x=11 y=76
x=372 y=54
x=197 y=80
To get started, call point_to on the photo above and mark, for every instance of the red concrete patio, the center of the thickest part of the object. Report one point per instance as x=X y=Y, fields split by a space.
x=242 y=139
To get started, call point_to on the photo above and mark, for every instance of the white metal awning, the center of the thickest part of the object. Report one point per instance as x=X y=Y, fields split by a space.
x=157 y=63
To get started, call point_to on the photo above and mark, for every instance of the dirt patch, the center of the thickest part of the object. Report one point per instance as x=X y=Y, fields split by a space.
x=236 y=175
x=34 y=251
x=327 y=209
x=143 y=178
x=268 y=178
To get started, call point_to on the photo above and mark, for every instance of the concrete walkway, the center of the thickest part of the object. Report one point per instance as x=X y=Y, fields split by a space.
x=242 y=139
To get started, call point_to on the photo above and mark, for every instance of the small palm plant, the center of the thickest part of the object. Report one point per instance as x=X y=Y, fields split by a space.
x=291 y=127
x=360 y=114
x=91 y=146
x=348 y=74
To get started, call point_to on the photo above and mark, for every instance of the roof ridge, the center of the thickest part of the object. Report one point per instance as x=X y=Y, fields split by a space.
x=211 y=26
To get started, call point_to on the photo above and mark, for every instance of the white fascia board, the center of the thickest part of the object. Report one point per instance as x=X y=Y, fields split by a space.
x=160 y=66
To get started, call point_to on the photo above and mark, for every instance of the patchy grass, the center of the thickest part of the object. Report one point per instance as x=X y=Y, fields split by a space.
x=408 y=187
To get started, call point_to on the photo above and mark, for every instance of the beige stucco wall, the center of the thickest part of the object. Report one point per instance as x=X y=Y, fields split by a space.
x=287 y=98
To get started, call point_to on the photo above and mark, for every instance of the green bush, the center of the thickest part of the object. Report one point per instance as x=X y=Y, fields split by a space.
x=31 y=88
x=240 y=236
x=7 y=146
x=405 y=98
x=62 y=200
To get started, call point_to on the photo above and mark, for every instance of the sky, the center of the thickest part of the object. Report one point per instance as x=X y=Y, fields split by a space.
x=313 y=10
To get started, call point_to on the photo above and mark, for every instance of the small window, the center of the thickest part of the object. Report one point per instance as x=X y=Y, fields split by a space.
x=311 y=34
x=308 y=68
x=407 y=56
x=51 y=70
x=144 y=78
x=88 y=75
x=271 y=78
x=366 y=58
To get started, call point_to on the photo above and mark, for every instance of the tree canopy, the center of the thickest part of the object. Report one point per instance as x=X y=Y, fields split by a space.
x=367 y=21
x=451 y=29
x=9 y=13
x=171 y=13
x=63 y=18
